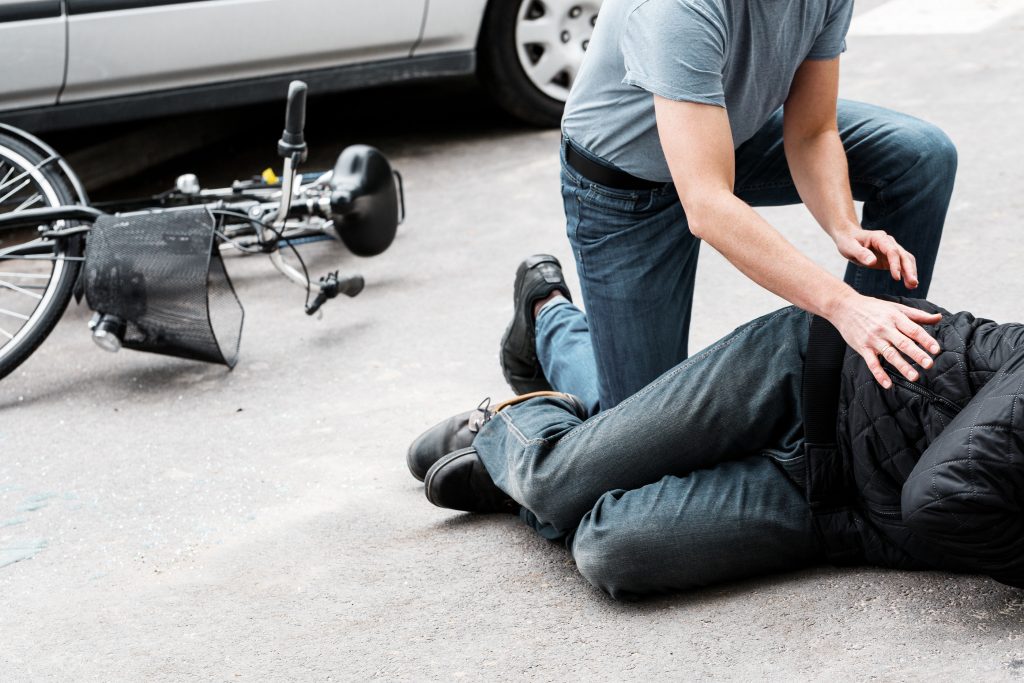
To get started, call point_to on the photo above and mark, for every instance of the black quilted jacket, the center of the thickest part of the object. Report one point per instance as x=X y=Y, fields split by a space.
x=937 y=466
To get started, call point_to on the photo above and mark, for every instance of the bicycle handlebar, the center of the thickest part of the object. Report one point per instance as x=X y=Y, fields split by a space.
x=293 y=140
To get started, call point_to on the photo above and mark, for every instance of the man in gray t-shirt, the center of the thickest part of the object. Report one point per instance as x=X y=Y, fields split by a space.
x=738 y=55
x=684 y=115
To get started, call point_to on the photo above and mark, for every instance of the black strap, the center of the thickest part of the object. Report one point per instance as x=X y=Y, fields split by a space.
x=836 y=519
x=822 y=373
x=605 y=175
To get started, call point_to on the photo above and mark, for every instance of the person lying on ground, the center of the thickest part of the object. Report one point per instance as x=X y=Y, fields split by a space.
x=711 y=473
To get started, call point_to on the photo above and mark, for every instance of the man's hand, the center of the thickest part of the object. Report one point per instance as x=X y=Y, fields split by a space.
x=875 y=328
x=878 y=250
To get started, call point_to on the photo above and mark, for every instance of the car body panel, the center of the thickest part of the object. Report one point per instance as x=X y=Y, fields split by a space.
x=451 y=25
x=197 y=42
x=32 y=50
x=95 y=62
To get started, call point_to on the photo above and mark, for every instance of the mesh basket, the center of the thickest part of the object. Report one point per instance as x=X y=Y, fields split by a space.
x=162 y=274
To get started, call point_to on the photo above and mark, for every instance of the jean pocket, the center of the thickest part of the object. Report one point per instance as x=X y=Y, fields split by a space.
x=607 y=198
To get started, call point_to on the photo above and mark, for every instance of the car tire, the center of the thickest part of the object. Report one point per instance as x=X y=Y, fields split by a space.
x=508 y=64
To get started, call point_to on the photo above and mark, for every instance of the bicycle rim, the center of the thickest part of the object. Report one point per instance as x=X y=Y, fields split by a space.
x=31 y=286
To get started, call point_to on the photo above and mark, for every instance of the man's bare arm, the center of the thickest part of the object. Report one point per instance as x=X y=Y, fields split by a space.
x=698 y=145
x=817 y=162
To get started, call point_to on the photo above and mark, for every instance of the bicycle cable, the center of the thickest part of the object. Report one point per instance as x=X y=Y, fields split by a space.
x=255 y=222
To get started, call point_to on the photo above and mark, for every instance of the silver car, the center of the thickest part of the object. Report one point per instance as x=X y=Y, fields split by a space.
x=83 y=62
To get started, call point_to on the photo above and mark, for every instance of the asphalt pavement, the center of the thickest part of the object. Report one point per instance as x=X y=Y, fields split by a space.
x=167 y=520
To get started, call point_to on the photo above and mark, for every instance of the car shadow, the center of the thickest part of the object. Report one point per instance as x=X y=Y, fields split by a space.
x=393 y=119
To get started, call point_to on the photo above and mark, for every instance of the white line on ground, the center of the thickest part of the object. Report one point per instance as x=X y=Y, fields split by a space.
x=923 y=17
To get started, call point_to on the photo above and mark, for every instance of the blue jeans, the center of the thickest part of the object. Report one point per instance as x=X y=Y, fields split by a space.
x=637 y=259
x=695 y=479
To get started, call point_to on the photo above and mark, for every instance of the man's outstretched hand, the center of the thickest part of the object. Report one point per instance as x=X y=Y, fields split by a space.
x=878 y=250
x=882 y=329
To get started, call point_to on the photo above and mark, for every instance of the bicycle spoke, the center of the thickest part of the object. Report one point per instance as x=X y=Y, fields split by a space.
x=27 y=249
x=19 y=316
x=30 y=291
x=19 y=290
x=34 y=199
x=16 y=190
x=5 y=183
x=37 y=276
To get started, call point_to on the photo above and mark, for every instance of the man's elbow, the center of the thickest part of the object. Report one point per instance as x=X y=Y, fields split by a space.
x=703 y=214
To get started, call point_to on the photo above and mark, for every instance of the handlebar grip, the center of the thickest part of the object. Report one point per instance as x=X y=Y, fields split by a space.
x=293 y=140
x=352 y=286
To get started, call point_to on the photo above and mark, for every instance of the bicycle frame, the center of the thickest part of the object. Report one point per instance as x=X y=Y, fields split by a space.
x=361 y=203
x=278 y=203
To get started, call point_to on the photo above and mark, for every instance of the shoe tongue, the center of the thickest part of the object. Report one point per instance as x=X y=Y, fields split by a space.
x=477 y=419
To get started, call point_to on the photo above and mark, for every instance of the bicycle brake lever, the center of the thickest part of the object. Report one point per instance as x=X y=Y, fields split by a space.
x=331 y=287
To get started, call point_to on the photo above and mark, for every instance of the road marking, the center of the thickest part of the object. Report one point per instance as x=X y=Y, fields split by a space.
x=924 y=17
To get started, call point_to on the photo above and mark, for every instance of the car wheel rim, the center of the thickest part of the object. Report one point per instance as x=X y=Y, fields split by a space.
x=551 y=39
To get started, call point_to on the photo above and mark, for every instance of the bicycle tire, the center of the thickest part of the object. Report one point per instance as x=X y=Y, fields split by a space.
x=56 y=190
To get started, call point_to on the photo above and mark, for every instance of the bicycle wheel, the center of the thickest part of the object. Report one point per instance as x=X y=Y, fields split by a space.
x=37 y=276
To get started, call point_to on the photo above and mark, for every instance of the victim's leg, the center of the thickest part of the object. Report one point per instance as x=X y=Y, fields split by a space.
x=739 y=397
x=737 y=520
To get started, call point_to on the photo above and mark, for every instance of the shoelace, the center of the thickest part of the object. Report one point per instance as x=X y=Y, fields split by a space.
x=481 y=415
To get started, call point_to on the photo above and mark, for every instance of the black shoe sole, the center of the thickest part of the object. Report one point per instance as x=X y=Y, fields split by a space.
x=522 y=327
x=470 y=490
x=428 y=480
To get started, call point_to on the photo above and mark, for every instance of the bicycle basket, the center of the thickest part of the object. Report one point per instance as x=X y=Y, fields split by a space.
x=162 y=274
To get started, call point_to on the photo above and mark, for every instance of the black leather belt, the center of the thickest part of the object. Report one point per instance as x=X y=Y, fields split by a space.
x=606 y=175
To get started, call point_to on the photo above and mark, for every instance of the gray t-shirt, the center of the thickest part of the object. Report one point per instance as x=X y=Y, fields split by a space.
x=737 y=54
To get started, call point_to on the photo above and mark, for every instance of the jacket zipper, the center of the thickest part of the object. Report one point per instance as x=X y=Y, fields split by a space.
x=944 y=405
x=887 y=511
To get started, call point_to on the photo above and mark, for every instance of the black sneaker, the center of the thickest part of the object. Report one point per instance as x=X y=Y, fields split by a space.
x=536 y=278
x=458 y=481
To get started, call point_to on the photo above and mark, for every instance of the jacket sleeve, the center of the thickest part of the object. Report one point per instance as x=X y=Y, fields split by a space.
x=963 y=495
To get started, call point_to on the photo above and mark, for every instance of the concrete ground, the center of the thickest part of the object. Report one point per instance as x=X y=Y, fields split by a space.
x=168 y=520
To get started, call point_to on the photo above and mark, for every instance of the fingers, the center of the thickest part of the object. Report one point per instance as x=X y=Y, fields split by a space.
x=902 y=264
x=919 y=316
x=890 y=354
x=914 y=332
x=909 y=270
x=866 y=257
x=870 y=357
x=902 y=345
x=892 y=251
x=893 y=335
